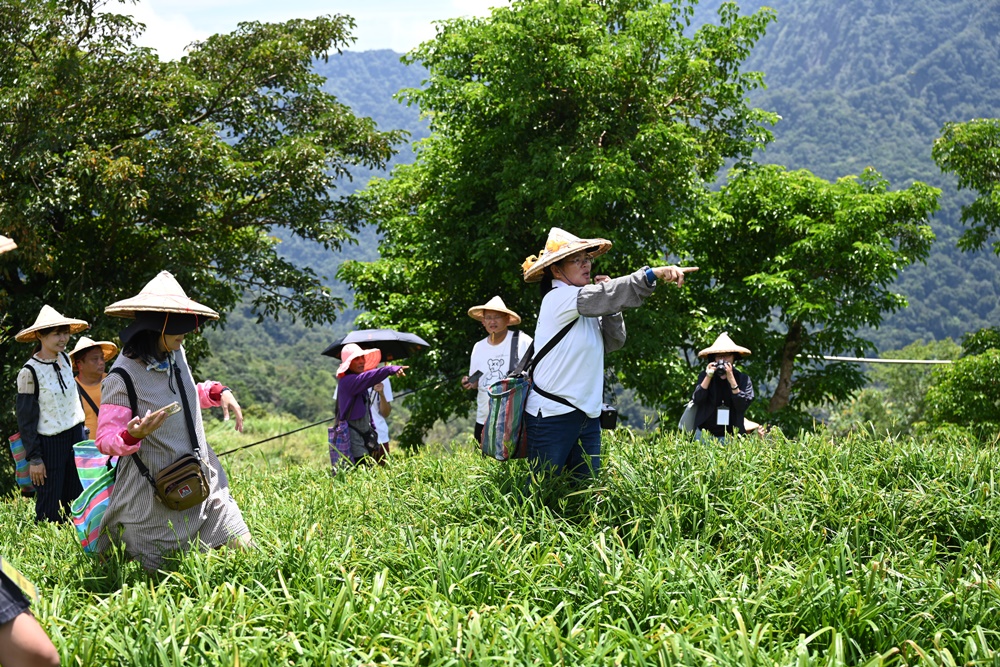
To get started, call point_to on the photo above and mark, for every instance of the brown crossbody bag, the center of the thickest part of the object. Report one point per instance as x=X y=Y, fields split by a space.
x=182 y=484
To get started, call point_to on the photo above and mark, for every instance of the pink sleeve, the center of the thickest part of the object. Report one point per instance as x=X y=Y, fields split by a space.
x=112 y=437
x=209 y=393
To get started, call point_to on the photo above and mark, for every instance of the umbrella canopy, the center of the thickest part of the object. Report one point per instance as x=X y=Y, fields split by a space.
x=393 y=344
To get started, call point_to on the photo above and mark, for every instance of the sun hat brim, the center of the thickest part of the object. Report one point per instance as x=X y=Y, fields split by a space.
x=495 y=304
x=49 y=318
x=162 y=294
x=372 y=359
x=107 y=347
x=593 y=247
x=724 y=345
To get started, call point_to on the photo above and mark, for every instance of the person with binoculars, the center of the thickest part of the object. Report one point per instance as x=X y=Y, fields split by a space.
x=722 y=393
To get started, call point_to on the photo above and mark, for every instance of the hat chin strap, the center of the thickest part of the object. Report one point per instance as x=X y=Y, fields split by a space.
x=163 y=331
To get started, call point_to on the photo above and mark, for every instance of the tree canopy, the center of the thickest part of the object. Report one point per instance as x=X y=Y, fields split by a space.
x=604 y=118
x=115 y=165
x=971 y=151
x=796 y=265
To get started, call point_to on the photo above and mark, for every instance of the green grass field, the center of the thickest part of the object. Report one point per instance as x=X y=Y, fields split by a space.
x=809 y=551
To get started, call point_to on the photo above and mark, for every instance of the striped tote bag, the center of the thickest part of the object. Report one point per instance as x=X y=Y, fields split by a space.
x=97 y=476
x=20 y=463
x=504 y=435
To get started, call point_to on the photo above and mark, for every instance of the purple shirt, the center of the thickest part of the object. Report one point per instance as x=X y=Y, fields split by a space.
x=353 y=384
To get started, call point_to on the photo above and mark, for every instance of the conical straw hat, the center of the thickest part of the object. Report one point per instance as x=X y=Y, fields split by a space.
x=47 y=318
x=6 y=244
x=560 y=244
x=85 y=343
x=497 y=304
x=723 y=345
x=162 y=294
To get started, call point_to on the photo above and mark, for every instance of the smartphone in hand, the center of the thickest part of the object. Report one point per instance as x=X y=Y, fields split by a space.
x=171 y=409
x=474 y=378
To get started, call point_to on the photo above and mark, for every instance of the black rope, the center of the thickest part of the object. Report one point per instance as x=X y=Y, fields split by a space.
x=275 y=437
x=330 y=419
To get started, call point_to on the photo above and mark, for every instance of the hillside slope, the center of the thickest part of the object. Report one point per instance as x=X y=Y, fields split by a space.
x=870 y=83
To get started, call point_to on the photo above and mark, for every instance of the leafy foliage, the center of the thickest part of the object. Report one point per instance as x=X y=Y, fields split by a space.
x=971 y=151
x=602 y=118
x=116 y=165
x=977 y=342
x=968 y=394
x=795 y=265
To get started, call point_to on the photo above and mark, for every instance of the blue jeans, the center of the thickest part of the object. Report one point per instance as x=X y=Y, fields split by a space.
x=569 y=442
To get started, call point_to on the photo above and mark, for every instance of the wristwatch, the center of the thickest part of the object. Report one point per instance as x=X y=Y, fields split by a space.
x=650 y=276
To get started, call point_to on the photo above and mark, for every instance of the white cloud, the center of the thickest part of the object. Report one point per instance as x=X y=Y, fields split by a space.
x=169 y=34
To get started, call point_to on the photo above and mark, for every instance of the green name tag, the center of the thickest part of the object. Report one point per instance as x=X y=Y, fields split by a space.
x=22 y=582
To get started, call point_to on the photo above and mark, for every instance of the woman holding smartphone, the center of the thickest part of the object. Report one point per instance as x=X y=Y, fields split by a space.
x=140 y=422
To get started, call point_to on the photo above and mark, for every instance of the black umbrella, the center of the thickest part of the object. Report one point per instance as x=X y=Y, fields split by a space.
x=393 y=344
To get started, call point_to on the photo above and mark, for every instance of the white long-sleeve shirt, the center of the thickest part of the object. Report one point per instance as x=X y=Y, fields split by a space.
x=574 y=368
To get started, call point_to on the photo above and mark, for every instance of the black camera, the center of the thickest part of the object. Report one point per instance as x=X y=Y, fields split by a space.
x=609 y=417
x=720 y=366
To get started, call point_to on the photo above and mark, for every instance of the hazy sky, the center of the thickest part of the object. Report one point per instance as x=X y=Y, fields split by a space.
x=381 y=24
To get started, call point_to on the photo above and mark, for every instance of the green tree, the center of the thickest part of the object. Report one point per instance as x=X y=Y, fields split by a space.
x=967 y=394
x=977 y=342
x=602 y=117
x=971 y=151
x=115 y=165
x=793 y=265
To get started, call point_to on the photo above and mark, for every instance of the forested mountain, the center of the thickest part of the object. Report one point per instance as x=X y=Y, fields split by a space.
x=365 y=81
x=870 y=83
x=857 y=83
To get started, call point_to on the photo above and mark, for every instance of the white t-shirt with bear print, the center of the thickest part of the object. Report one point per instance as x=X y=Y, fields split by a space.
x=494 y=362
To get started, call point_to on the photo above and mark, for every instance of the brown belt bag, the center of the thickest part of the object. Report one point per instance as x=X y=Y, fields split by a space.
x=182 y=484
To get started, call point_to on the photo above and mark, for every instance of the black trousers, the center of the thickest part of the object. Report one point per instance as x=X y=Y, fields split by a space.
x=62 y=483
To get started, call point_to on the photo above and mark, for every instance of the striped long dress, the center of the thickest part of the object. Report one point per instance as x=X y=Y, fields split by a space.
x=148 y=528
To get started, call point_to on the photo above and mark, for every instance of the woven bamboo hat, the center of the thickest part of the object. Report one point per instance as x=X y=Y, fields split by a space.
x=162 y=294
x=85 y=343
x=497 y=304
x=351 y=352
x=6 y=244
x=48 y=318
x=723 y=345
x=560 y=244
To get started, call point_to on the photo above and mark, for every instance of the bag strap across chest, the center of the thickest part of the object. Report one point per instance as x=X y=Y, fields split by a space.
x=133 y=400
x=84 y=396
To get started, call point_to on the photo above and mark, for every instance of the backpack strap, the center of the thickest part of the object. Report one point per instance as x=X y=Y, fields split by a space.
x=188 y=419
x=514 y=356
x=133 y=401
x=84 y=396
x=545 y=350
x=529 y=361
x=34 y=377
